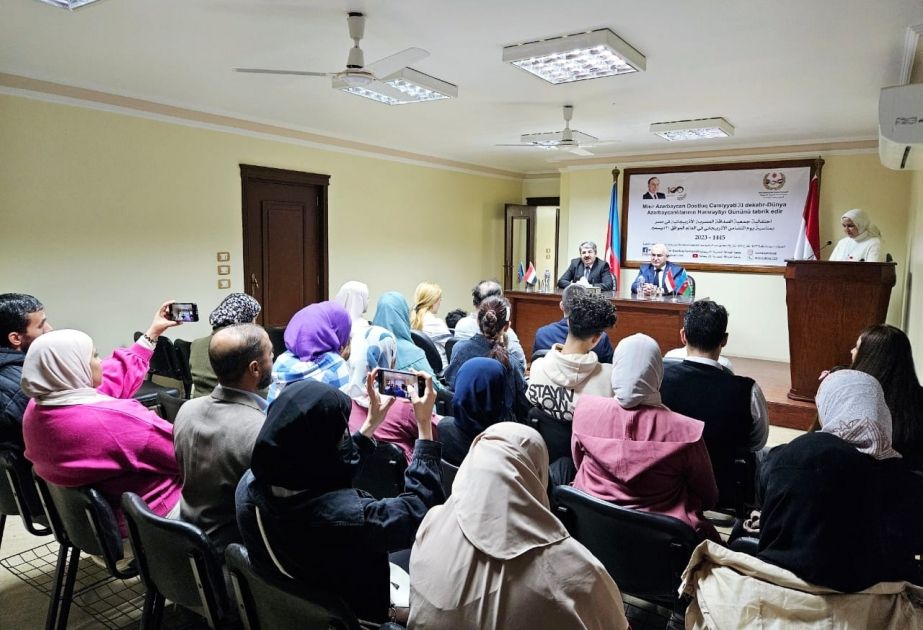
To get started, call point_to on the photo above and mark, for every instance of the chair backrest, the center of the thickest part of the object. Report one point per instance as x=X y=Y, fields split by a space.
x=424 y=343
x=183 y=350
x=83 y=518
x=277 y=603
x=538 y=354
x=277 y=338
x=644 y=553
x=737 y=485
x=556 y=433
x=18 y=494
x=170 y=405
x=448 y=477
x=176 y=559
x=382 y=474
x=164 y=361
x=449 y=344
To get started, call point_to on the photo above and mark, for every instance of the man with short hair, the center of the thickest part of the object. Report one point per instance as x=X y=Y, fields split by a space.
x=653 y=184
x=555 y=333
x=588 y=269
x=653 y=275
x=22 y=321
x=214 y=435
x=467 y=327
x=570 y=369
x=732 y=407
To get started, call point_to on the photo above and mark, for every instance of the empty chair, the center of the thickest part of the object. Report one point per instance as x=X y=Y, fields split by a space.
x=18 y=495
x=169 y=405
x=644 y=553
x=176 y=561
x=424 y=343
x=382 y=474
x=278 y=603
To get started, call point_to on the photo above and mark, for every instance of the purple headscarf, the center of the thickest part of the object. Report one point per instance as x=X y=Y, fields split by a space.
x=316 y=329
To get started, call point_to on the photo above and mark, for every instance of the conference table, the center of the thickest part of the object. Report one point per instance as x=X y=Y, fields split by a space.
x=660 y=318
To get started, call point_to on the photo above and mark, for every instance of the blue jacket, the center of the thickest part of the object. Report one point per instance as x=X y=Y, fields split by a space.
x=547 y=336
x=646 y=274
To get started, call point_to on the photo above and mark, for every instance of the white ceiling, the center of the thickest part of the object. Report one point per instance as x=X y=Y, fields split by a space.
x=789 y=71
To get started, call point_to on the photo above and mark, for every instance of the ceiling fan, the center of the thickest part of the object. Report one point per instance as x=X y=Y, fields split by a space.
x=567 y=139
x=357 y=74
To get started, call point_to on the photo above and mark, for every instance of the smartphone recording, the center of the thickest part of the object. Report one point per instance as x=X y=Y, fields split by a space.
x=399 y=384
x=183 y=312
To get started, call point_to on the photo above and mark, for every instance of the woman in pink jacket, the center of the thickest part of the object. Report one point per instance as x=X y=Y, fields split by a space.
x=635 y=452
x=82 y=428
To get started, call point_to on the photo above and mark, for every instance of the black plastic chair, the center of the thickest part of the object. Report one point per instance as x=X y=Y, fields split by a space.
x=382 y=474
x=424 y=343
x=557 y=434
x=277 y=338
x=449 y=344
x=183 y=350
x=169 y=405
x=749 y=545
x=81 y=520
x=163 y=363
x=18 y=495
x=176 y=561
x=279 y=603
x=538 y=354
x=448 y=477
x=644 y=553
x=737 y=486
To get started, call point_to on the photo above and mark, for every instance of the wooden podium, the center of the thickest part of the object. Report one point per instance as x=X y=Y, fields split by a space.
x=829 y=304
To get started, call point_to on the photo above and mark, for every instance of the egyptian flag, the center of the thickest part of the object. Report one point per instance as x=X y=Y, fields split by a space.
x=530 y=276
x=808 y=245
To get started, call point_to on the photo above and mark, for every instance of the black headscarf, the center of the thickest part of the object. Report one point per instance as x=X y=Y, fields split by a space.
x=305 y=443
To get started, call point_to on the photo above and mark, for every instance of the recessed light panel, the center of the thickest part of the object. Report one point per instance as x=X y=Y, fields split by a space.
x=701 y=129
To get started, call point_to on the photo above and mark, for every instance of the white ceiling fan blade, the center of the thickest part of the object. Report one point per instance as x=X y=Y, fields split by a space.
x=383 y=68
x=300 y=73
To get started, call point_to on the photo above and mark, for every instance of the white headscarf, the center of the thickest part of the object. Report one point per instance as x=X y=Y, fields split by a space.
x=637 y=371
x=861 y=220
x=56 y=371
x=374 y=347
x=354 y=297
x=851 y=406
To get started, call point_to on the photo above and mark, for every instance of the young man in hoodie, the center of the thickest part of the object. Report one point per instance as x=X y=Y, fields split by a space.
x=556 y=332
x=570 y=369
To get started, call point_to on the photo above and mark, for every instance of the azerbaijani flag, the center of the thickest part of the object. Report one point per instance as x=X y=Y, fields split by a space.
x=678 y=285
x=613 y=254
x=522 y=271
x=530 y=276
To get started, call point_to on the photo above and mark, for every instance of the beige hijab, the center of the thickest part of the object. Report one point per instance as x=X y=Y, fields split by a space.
x=637 y=371
x=851 y=405
x=57 y=372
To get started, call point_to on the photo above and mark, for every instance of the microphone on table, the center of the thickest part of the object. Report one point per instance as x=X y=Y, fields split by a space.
x=826 y=245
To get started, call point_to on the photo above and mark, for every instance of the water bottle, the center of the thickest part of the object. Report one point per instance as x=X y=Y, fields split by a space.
x=547 y=281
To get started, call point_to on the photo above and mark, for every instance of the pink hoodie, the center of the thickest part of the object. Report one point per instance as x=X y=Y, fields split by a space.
x=645 y=458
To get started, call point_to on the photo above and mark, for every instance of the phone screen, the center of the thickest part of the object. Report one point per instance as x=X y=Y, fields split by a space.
x=184 y=312
x=398 y=384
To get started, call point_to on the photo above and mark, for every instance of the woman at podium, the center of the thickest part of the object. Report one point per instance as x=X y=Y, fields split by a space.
x=862 y=242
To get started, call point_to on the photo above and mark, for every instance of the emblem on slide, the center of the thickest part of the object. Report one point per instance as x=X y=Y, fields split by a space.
x=773 y=180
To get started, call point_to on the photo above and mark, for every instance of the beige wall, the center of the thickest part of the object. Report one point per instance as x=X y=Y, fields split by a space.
x=105 y=215
x=914 y=321
x=756 y=302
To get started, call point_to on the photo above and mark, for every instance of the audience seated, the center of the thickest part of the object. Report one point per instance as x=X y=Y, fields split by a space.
x=468 y=326
x=393 y=314
x=841 y=508
x=556 y=333
x=453 y=317
x=736 y=590
x=316 y=338
x=426 y=301
x=635 y=452
x=557 y=379
x=884 y=352
x=733 y=408
x=236 y=308
x=481 y=399
x=22 y=321
x=680 y=354
x=297 y=510
x=400 y=424
x=511 y=564
x=82 y=428
x=491 y=342
x=214 y=435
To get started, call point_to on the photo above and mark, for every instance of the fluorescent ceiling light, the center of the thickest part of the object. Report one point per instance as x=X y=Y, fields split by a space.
x=699 y=129
x=589 y=55
x=405 y=86
x=68 y=4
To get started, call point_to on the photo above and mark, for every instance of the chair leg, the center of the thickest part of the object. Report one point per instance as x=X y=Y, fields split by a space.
x=68 y=593
x=152 y=612
x=2 y=526
x=59 y=572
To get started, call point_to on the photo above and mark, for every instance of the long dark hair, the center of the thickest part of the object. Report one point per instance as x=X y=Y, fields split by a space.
x=885 y=353
x=493 y=317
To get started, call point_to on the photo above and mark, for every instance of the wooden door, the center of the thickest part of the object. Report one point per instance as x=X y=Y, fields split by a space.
x=285 y=240
x=519 y=241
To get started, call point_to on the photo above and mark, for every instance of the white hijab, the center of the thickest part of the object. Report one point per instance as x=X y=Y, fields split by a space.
x=851 y=406
x=861 y=220
x=57 y=372
x=373 y=348
x=637 y=371
x=354 y=297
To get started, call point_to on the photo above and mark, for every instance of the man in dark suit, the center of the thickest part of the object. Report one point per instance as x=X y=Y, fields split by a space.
x=587 y=269
x=652 y=184
x=651 y=276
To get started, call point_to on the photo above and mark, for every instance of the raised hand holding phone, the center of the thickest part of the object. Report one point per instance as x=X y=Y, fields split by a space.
x=378 y=405
x=423 y=406
x=161 y=322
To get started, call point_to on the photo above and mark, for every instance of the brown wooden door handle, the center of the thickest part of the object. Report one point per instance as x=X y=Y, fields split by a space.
x=254 y=285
